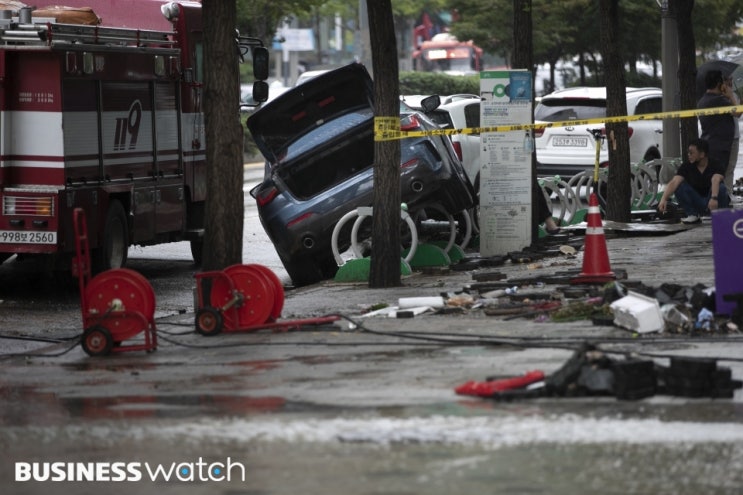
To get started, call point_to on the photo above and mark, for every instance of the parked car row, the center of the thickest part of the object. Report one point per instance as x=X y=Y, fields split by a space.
x=317 y=139
x=563 y=151
x=318 y=142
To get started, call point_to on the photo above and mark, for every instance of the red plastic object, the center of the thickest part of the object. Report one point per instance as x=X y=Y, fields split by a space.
x=489 y=388
x=243 y=298
x=116 y=304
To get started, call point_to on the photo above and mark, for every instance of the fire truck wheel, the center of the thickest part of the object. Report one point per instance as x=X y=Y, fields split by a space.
x=97 y=341
x=113 y=252
x=197 y=251
x=208 y=322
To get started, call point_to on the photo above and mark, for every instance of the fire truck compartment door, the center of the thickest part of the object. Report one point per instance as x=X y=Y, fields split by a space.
x=170 y=208
x=143 y=207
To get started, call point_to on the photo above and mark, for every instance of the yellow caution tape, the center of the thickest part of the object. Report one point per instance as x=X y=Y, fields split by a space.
x=387 y=129
x=390 y=131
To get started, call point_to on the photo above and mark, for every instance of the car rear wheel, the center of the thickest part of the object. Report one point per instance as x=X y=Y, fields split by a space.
x=328 y=267
x=302 y=271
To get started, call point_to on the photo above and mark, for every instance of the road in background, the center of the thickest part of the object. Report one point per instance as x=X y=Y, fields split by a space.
x=257 y=248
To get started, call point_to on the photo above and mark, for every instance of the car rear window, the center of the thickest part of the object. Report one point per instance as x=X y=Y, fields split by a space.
x=563 y=109
x=472 y=115
x=326 y=132
x=649 y=105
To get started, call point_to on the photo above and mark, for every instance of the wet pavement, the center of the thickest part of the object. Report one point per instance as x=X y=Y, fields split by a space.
x=364 y=410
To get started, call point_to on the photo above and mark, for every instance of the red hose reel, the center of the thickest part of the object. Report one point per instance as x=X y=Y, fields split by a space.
x=243 y=298
x=116 y=304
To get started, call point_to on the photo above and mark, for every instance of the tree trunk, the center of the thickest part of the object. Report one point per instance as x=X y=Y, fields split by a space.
x=225 y=203
x=385 y=260
x=687 y=68
x=523 y=58
x=617 y=136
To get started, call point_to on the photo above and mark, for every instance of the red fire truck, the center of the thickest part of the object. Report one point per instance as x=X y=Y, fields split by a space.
x=106 y=117
x=445 y=53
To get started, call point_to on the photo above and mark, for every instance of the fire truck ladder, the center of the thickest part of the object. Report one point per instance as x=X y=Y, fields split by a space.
x=44 y=31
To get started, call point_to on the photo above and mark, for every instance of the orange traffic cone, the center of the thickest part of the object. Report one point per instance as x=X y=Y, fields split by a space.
x=596 y=268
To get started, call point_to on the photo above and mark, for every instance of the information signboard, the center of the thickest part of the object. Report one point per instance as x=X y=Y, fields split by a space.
x=505 y=157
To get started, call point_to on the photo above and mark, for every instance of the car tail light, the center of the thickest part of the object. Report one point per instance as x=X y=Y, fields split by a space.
x=604 y=164
x=409 y=123
x=457 y=149
x=265 y=196
x=410 y=163
x=326 y=101
x=299 y=219
x=539 y=132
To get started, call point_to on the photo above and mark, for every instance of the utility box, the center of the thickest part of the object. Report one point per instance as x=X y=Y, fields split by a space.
x=727 y=246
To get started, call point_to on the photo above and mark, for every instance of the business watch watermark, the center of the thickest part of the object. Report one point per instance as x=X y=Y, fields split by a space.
x=117 y=471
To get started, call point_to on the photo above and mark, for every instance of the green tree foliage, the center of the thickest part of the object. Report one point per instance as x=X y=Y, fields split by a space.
x=261 y=18
x=428 y=83
x=569 y=29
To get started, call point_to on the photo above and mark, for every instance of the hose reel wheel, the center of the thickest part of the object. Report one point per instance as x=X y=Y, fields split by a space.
x=97 y=341
x=209 y=322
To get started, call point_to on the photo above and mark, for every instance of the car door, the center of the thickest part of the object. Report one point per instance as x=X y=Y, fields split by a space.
x=647 y=134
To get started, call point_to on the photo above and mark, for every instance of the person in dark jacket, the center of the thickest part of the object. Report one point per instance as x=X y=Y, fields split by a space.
x=718 y=130
x=698 y=184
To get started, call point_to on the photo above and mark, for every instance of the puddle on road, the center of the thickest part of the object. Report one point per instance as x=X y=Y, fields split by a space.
x=24 y=406
x=107 y=365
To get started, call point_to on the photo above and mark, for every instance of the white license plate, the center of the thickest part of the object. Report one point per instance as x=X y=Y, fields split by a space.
x=569 y=142
x=27 y=237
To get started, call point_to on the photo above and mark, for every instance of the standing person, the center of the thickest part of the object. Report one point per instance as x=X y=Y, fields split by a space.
x=718 y=130
x=698 y=184
x=735 y=147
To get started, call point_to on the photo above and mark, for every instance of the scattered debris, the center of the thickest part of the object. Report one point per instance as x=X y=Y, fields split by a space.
x=490 y=387
x=461 y=300
x=580 y=310
x=590 y=371
x=569 y=251
x=417 y=302
x=638 y=313
x=556 y=297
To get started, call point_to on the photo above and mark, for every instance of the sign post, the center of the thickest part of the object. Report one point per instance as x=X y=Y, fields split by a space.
x=505 y=175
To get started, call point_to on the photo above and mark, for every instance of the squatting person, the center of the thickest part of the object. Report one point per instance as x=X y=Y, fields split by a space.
x=698 y=184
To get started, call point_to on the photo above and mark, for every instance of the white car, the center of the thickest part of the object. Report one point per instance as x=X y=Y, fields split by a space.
x=459 y=112
x=566 y=151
